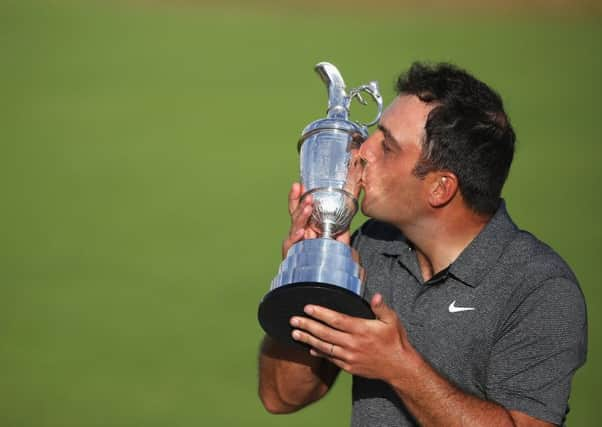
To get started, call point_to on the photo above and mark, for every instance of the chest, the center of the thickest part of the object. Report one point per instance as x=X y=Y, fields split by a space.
x=450 y=323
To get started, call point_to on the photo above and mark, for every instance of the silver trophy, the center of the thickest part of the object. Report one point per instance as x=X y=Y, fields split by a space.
x=322 y=271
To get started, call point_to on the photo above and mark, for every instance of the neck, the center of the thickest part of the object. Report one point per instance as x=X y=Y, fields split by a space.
x=442 y=237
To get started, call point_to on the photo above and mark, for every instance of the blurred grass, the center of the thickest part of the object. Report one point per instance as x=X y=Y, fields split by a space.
x=146 y=154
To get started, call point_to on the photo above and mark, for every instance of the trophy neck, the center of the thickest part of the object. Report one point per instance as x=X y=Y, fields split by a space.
x=328 y=230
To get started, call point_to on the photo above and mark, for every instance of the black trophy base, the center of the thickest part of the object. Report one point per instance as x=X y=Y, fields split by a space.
x=280 y=304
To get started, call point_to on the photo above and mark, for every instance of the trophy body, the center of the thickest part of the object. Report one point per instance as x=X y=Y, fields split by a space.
x=323 y=271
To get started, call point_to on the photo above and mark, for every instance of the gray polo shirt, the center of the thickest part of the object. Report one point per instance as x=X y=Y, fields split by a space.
x=506 y=322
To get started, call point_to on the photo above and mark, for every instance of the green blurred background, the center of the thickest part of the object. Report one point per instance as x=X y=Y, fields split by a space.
x=145 y=156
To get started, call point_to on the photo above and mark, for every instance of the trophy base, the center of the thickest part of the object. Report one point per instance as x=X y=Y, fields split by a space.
x=284 y=302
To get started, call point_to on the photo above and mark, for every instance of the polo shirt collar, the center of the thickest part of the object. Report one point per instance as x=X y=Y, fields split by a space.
x=474 y=261
x=482 y=253
x=396 y=245
x=392 y=242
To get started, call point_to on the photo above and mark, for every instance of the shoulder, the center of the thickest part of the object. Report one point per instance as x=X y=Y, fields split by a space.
x=535 y=261
x=541 y=286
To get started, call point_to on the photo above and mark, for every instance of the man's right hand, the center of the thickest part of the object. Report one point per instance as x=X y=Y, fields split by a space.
x=290 y=377
x=300 y=212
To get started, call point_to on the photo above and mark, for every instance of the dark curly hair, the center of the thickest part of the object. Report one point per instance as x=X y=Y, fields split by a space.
x=467 y=133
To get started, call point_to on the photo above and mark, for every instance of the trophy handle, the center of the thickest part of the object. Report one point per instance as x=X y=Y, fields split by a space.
x=339 y=101
x=372 y=90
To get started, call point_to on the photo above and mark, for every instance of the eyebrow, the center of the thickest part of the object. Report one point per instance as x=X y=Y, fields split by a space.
x=387 y=133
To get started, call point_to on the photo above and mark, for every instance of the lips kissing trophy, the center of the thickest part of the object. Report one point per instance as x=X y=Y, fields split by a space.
x=322 y=271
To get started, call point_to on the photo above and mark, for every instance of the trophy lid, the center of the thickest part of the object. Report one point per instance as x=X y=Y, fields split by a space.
x=338 y=105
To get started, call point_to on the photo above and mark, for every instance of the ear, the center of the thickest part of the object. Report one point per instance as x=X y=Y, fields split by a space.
x=443 y=188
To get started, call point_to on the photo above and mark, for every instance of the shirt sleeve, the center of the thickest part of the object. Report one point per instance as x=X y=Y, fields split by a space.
x=539 y=347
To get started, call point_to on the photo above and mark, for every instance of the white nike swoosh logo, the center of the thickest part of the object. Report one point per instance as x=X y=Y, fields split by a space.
x=454 y=309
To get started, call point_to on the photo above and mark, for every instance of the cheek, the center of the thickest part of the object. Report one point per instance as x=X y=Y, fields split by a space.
x=392 y=173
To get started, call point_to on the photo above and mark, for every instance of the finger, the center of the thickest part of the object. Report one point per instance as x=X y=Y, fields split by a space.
x=300 y=218
x=334 y=319
x=293 y=197
x=310 y=233
x=320 y=330
x=382 y=311
x=301 y=215
x=345 y=237
x=321 y=347
x=334 y=360
x=317 y=353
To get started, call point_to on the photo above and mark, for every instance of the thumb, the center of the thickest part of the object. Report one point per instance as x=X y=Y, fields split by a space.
x=381 y=310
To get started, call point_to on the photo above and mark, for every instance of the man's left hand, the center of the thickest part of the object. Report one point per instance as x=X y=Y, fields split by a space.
x=377 y=349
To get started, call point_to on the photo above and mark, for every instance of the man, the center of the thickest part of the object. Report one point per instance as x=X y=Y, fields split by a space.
x=477 y=322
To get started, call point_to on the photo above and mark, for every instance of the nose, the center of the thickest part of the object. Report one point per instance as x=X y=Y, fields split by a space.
x=367 y=150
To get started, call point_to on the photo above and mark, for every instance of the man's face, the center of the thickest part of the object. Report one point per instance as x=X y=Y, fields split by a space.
x=391 y=192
